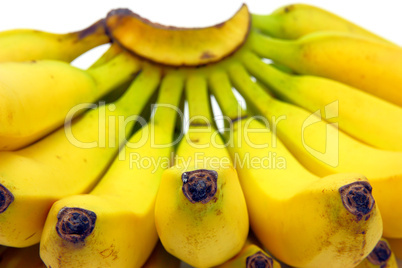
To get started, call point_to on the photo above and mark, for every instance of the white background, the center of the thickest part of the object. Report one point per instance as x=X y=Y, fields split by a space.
x=381 y=17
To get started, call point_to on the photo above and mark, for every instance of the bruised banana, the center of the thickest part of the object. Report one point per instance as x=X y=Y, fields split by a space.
x=28 y=45
x=69 y=161
x=200 y=211
x=27 y=257
x=117 y=218
x=324 y=150
x=364 y=63
x=296 y=20
x=36 y=97
x=303 y=220
x=361 y=115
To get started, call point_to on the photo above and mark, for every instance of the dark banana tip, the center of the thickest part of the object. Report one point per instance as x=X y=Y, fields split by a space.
x=75 y=224
x=6 y=198
x=199 y=185
x=357 y=198
x=380 y=254
x=259 y=260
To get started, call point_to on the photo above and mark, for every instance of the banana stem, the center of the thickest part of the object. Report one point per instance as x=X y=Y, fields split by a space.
x=271 y=48
x=269 y=75
x=168 y=101
x=109 y=54
x=251 y=91
x=140 y=90
x=114 y=72
x=198 y=101
x=222 y=90
x=265 y=23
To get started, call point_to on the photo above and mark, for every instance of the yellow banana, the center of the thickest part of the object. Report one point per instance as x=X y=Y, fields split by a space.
x=69 y=161
x=200 y=211
x=364 y=63
x=251 y=256
x=160 y=258
x=382 y=256
x=26 y=44
x=396 y=246
x=296 y=20
x=303 y=220
x=109 y=54
x=324 y=149
x=36 y=97
x=361 y=115
x=120 y=209
x=21 y=258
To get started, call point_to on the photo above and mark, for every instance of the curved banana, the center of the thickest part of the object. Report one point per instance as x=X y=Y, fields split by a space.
x=324 y=150
x=361 y=115
x=296 y=20
x=69 y=161
x=303 y=220
x=364 y=63
x=120 y=209
x=382 y=256
x=27 y=45
x=200 y=211
x=21 y=257
x=36 y=97
x=160 y=258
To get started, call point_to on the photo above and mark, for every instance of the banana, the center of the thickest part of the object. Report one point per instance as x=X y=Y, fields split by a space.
x=303 y=220
x=363 y=63
x=27 y=45
x=36 y=97
x=251 y=256
x=69 y=161
x=396 y=246
x=200 y=211
x=21 y=257
x=381 y=256
x=296 y=20
x=361 y=115
x=120 y=209
x=160 y=258
x=324 y=150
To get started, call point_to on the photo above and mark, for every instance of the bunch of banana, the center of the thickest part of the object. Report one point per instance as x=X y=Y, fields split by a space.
x=312 y=166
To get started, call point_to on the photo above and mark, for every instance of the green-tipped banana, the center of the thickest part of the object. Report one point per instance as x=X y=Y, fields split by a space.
x=121 y=206
x=296 y=20
x=200 y=211
x=361 y=115
x=36 y=97
x=29 y=45
x=69 y=161
x=369 y=65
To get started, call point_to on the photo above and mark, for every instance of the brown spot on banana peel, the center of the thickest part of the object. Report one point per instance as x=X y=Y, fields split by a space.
x=75 y=224
x=357 y=198
x=200 y=185
x=380 y=254
x=6 y=198
x=259 y=260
